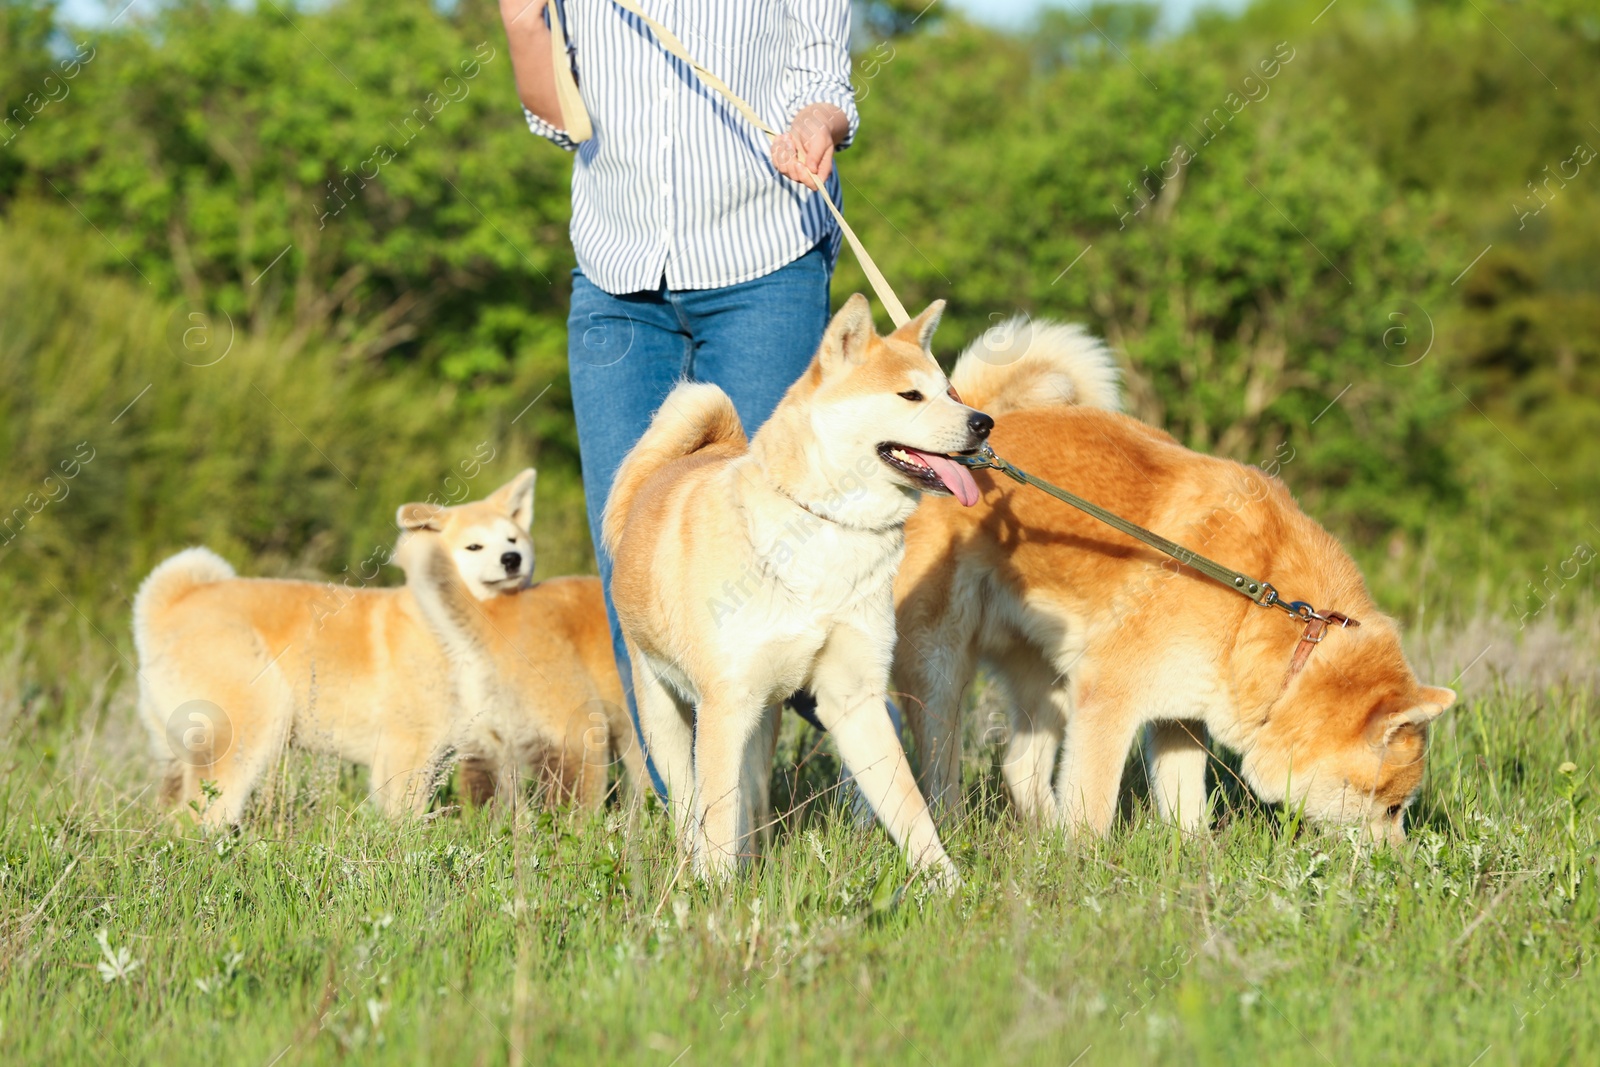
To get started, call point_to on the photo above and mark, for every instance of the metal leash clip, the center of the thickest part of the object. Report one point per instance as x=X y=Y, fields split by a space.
x=985 y=459
x=1302 y=610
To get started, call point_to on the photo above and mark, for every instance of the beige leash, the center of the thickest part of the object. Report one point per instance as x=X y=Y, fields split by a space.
x=573 y=113
x=577 y=120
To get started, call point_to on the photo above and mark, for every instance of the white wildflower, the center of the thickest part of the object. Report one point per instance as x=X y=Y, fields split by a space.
x=116 y=963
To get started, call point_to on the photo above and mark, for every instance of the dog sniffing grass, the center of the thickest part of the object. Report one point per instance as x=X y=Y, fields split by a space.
x=324 y=933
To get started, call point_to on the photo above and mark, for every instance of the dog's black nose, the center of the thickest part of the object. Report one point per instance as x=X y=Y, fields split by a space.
x=511 y=561
x=980 y=424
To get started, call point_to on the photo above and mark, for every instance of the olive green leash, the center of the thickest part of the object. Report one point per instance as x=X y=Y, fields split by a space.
x=1260 y=593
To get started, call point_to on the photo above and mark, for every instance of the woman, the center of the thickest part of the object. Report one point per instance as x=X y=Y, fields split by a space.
x=703 y=251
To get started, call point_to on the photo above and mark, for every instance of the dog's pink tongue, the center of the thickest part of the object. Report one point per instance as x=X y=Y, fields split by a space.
x=955 y=476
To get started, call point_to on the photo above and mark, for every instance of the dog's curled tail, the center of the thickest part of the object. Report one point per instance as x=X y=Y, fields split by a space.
x=694 y=417
x=172 y=578
x=1029 y=363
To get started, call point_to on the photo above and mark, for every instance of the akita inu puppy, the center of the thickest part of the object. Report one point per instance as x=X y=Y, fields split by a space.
x=532 y=668
x=746 y=571
x=233 y=669
x=1096 y=635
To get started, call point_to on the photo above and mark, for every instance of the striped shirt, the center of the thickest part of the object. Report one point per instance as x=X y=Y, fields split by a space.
x=675 y=184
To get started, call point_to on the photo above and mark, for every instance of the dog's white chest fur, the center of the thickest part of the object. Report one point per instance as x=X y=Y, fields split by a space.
x=822 y=568
x=801 y=577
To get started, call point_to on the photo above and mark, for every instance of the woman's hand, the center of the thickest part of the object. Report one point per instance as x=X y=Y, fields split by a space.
x=816 y=130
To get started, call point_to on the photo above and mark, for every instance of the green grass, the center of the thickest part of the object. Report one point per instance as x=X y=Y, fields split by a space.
x=323 y=933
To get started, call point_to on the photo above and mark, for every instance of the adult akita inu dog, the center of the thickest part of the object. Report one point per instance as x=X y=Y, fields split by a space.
x=745 y=571
x=1096 y=635
x=233 y=669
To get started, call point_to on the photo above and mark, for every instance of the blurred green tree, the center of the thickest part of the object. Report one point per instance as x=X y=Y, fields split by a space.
x=1274 y=220
x=359 y=174
x=1202 y=208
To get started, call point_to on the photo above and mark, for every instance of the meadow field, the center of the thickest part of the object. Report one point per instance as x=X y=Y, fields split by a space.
x=1355 y=244
x=323 y=933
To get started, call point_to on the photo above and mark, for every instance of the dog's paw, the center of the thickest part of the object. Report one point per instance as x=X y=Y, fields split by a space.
x=941 y=877
x=714 y=868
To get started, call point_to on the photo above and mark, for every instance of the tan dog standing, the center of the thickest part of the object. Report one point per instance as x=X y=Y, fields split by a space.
x=1096 y=635
x=747 y=571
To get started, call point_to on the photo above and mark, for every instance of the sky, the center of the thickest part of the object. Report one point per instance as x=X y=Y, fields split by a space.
x=1011 y=13
x=1006 y=13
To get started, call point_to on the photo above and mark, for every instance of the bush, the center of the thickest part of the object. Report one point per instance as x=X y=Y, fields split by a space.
x=121 y=445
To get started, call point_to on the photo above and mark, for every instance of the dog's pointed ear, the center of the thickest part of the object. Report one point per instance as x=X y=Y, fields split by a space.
x=1427 y=705
x=1437 y=696
x=414 y=517
x=848 y=336
x=919 y=330
x=515 y=498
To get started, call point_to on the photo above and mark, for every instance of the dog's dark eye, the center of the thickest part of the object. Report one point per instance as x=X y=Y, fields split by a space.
x=1395 y=809
x=911 y=395
x=474 y=548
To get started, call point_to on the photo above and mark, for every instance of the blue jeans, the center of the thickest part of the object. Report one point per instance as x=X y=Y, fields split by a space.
x=625 y=353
